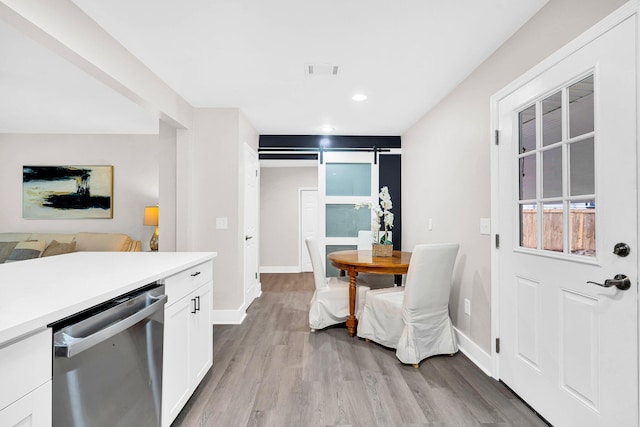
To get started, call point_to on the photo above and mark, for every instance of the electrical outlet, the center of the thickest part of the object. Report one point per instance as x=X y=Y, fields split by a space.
x=430 y=224
x=467 y=307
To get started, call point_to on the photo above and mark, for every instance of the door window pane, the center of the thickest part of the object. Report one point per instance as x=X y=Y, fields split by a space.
x=528 y=177
x=527 y=127
x=582 y=167
x=529 y=226
x=556 y=172
x=581 y=115
x=583 y=227
x=552 y=173
x=345 y=221
x=330 y=270
x=552 y=119
x=348 y=179
x=553 y=226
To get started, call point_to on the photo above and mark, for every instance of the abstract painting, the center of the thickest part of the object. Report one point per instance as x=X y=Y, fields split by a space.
x=67 y=192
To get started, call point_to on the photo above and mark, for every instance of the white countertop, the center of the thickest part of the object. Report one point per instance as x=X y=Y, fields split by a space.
x=34 y=293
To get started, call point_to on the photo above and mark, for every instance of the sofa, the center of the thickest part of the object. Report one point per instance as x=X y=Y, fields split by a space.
x=21 y=246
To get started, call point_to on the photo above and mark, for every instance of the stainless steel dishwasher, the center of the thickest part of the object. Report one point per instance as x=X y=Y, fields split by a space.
x=107 y=363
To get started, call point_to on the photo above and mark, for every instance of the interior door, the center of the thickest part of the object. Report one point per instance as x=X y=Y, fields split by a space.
x=344 y=179
x=251 y=215
x=567 y=197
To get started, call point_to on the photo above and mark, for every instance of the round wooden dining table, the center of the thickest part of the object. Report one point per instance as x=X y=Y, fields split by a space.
x=361 y=261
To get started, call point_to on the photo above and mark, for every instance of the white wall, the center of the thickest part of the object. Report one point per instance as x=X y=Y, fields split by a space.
x=167 y=145
x=445 y=170
x=135 y=181
x=67 y=30
x=214 y=194
x=279 y=213
x=217 y=191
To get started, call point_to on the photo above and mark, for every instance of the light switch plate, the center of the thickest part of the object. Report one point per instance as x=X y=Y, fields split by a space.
x=222 y=223
x=485 y=225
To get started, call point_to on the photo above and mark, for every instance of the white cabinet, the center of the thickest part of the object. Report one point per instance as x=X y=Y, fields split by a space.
x=32 y=410
x=188 y=337
x=201 y=333
x=25 y=369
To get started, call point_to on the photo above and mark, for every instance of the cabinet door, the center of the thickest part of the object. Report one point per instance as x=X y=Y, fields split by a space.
x=32 y=410
x=175 y=376
x=201 y=335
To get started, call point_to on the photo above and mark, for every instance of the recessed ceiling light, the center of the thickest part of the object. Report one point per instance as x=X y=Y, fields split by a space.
x=327 y=129
x=359 y=97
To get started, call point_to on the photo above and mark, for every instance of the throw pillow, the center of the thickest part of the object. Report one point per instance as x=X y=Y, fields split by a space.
x=5 y=250
x=27 y=250
x=57 y=248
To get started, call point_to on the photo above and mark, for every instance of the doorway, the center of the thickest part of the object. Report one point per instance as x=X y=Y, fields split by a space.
x=251 y=218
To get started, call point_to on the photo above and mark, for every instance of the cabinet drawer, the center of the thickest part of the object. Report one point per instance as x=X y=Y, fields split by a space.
x=25 y=365
x=34 y=409
x=181 y=284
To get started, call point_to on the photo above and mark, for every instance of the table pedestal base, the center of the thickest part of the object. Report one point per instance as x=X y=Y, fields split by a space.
x=352 y=322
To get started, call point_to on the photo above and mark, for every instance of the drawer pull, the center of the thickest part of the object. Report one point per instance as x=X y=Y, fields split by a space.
x=198 y=303
x=195 y=274
x=194 y=306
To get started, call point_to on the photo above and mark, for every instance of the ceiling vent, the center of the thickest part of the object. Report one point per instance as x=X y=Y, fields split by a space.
x=320 y=70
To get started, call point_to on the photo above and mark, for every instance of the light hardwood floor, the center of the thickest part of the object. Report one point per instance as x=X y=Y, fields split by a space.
x=272 y=371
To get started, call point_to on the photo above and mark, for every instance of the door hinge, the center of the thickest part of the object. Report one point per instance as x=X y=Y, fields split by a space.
x=497 y=241
x=497 y=345
x=497 y=137
x=256 y=275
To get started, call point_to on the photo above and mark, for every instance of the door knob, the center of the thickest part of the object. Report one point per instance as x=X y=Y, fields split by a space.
x=620 y=281
x=621 y=249
x=248 y=237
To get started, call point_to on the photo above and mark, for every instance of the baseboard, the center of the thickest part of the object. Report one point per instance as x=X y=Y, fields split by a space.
x=257 y=292
x=228 y=317
x=473 y=351
x=252 y=294
x=285 y=269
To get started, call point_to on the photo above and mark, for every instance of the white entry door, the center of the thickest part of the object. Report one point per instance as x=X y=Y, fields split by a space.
x=567 y=191
x=251 y=215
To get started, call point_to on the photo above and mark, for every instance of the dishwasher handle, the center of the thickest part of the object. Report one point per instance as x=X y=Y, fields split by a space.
x=72 y=346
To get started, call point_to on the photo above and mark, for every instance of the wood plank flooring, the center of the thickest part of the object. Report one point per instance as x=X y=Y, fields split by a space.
x=272 y=371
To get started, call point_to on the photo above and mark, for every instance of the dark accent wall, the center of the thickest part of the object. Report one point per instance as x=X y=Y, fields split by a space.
x=389 y=174
x=289 y=156
x=328 y=141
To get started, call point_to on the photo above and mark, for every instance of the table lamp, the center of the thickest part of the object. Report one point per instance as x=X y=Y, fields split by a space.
x=151 y=218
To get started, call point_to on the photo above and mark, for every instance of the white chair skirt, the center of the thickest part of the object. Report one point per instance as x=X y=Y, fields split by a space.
x=330 y=304
x=431 y=335
x=381 y=320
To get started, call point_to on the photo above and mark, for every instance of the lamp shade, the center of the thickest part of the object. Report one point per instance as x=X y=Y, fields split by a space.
x=151 y=215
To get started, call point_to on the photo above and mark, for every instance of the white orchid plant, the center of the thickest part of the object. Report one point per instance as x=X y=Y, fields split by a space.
x=380 y=212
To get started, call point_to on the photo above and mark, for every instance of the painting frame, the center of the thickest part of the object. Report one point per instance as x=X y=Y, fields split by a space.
x=67 y=192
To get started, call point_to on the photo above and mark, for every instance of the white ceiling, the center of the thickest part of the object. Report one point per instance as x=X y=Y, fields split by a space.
x=405 y=55
x=40 y=92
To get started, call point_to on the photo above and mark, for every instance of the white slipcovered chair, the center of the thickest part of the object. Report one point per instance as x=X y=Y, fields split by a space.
x=330 y=301
x=374 y=281
x=414 y=319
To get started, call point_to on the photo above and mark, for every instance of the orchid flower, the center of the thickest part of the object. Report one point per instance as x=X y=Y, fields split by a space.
x=380 y=212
